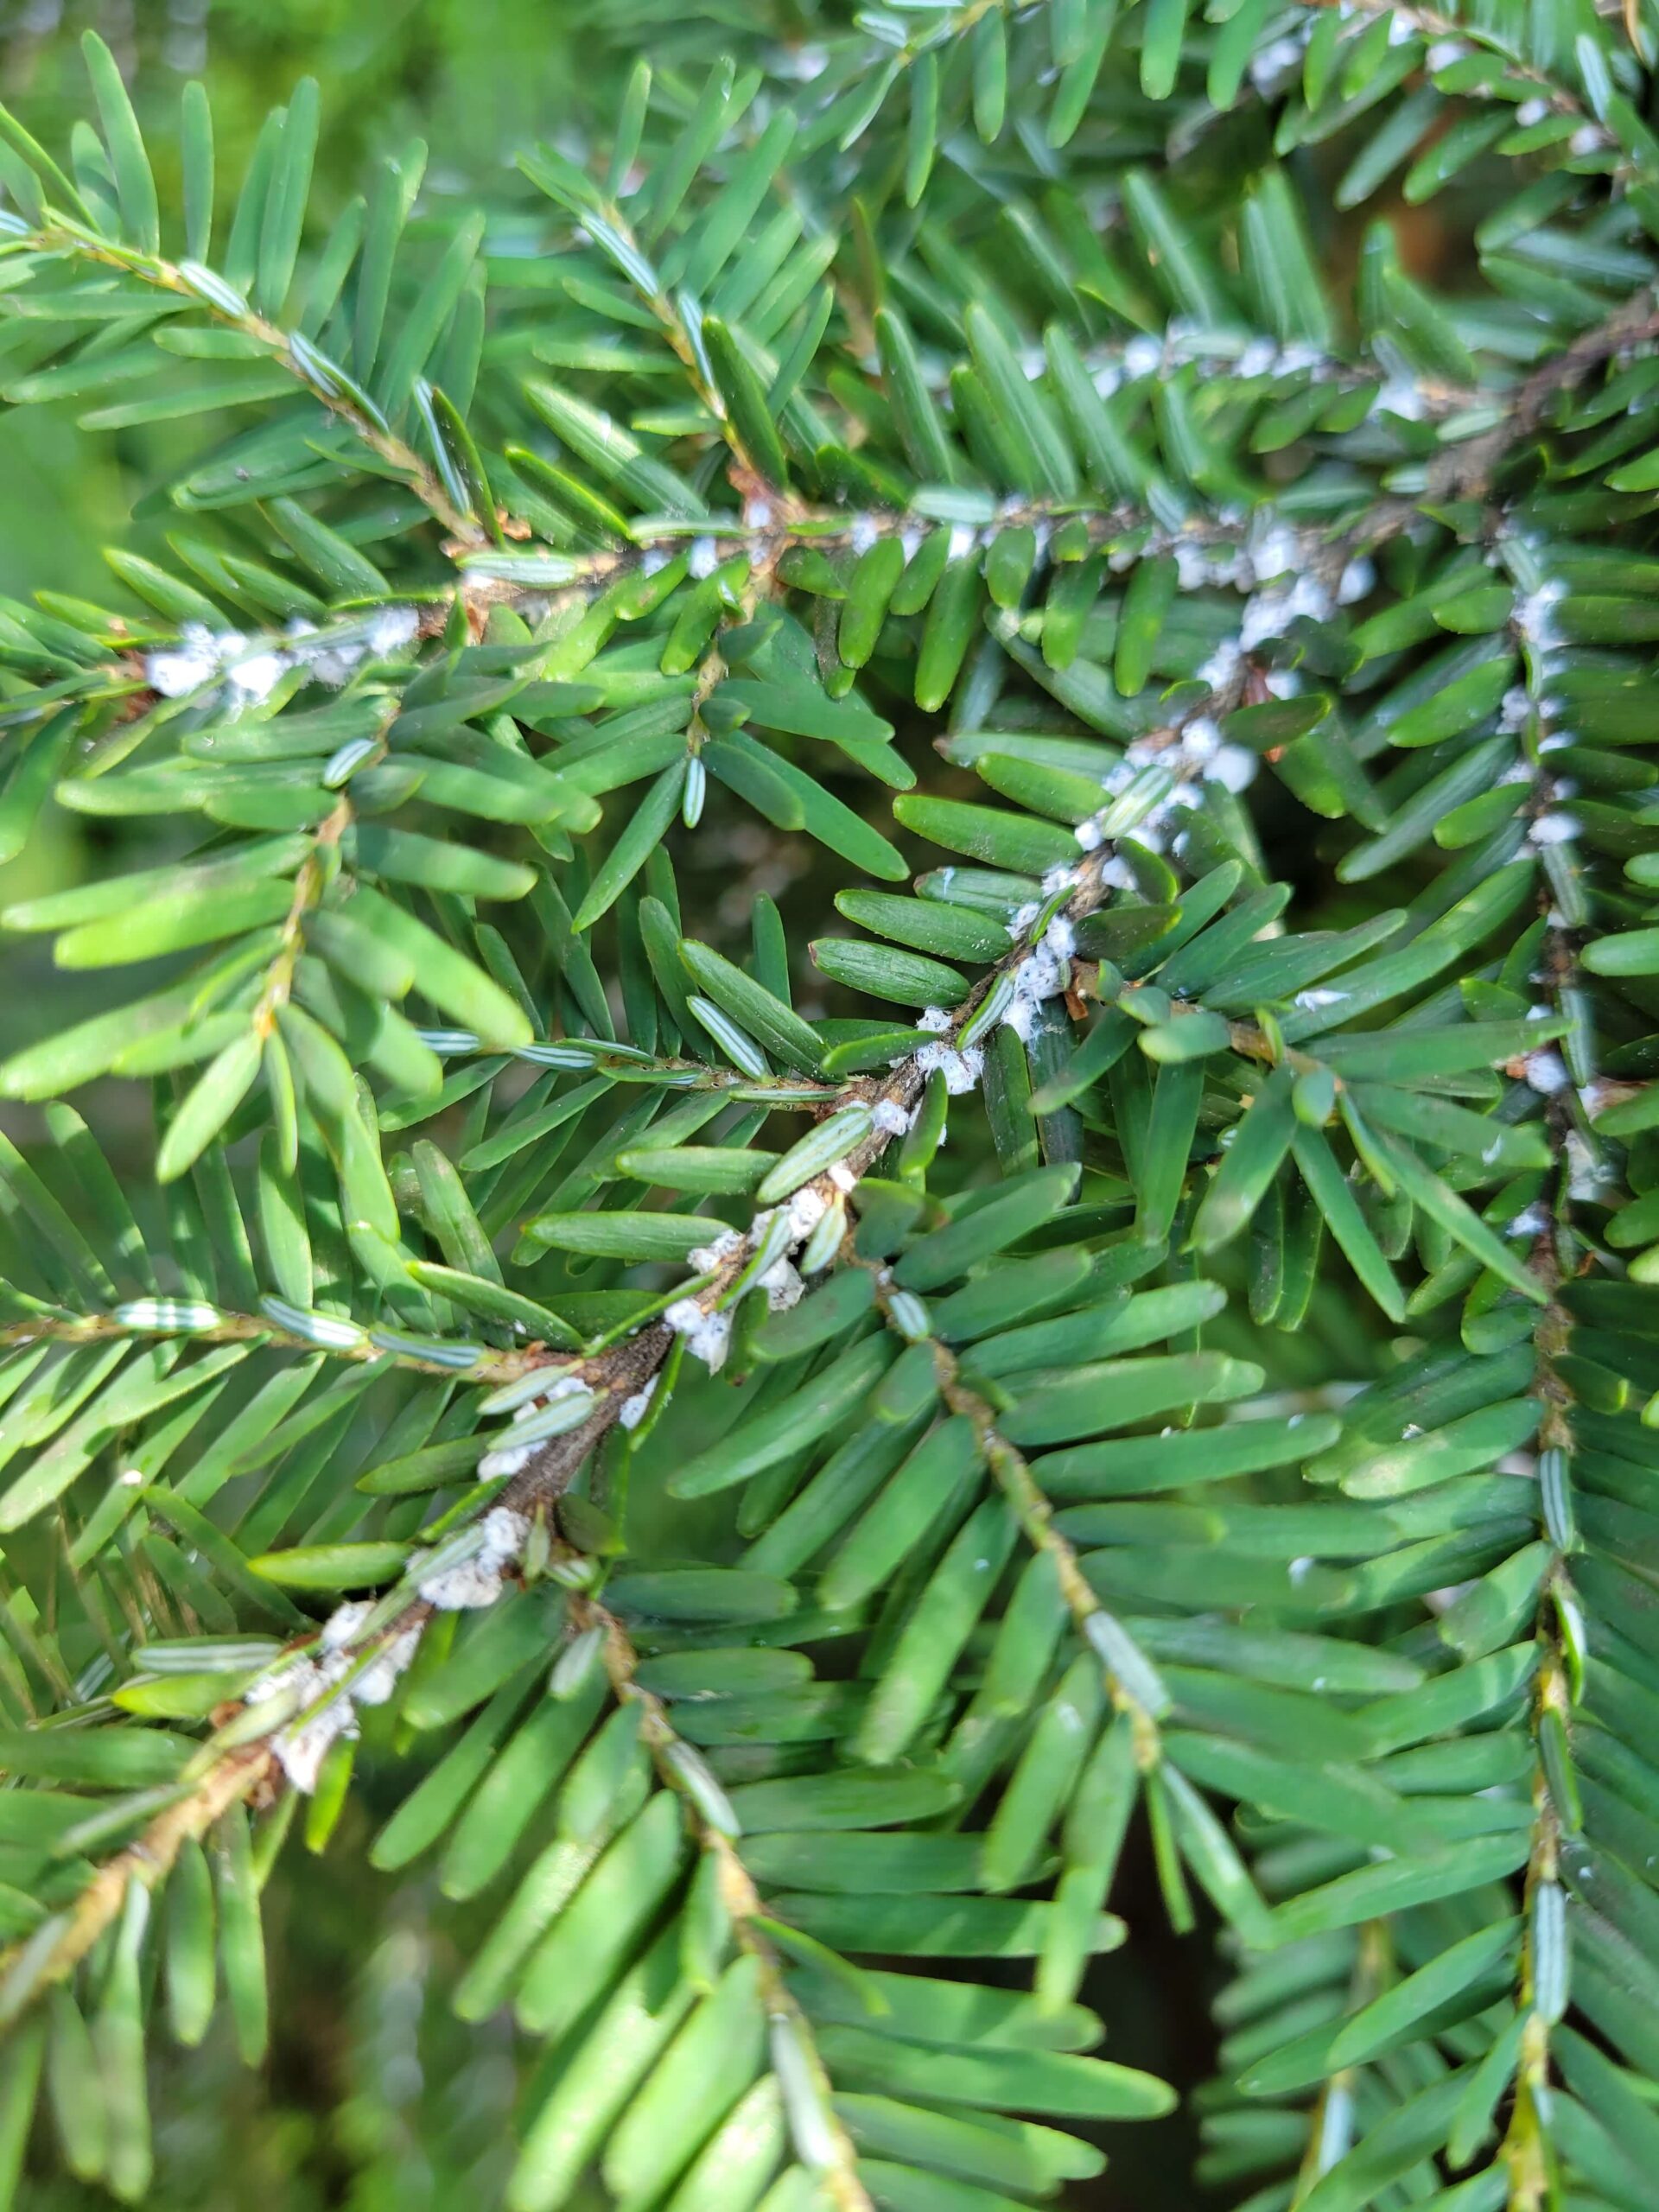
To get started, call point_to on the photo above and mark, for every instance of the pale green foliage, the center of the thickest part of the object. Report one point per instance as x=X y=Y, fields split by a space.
x=1230 y=1437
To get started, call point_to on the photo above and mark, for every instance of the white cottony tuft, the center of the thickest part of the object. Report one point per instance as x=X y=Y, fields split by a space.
x=705 y=1258
x=961 y=1071
x=1201 y=738
x=378 y=1680
x=343 y=1624
x=1222 y=665
x=803 y=1211
x=508 y=1460
x=1547 y=1071
x=634 y=1409
x=1234 y=767
x=782 y=1285
x=187 y=668
x=708 y=1335
x=1400 y=395
x=258 y=676
x=1535 y=615
x=476 y=1580
x=1358 y=580
x=393 y=627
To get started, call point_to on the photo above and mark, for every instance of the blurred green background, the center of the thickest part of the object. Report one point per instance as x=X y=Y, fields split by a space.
x=373 y=2098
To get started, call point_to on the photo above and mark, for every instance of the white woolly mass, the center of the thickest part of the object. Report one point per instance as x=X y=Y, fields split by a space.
x=1401 y=397
x=841 y=1174
x=343 y=1624
x=862 y=534
x=1192 y=567
x=890 y=1117
x=1547 y=1071
x=252 y=671
x=477 y=1581
x=1553 y=829
x=1271 y=613
x=702 y=559
x=378 y=1681
x=933 y=1018
x=1535 y=616
x=1044 y=973
x=1262 y=620
x=301 y=1747
x=1358 y=580
x=633 y=1410
x=962 y=1070
x=1234 y=767
x=391 y=628
x=1513 y=710
x=1276 y=550
x=708 y=1335
x=193 y=662
x=1259 y=358
x=804 y=1212
x=782 y=1285
x=705 y=1258
x=1201 y=738
x=258 y=676
x=507 y=1460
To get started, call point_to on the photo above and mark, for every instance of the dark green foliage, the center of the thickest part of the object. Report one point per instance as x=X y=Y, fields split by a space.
x=789 y=1441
